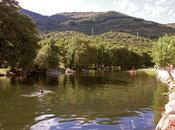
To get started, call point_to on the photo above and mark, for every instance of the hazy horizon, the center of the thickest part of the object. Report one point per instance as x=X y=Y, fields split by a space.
x=161 y=11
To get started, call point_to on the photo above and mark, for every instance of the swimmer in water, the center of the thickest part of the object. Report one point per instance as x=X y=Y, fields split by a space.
x=41 y=91
x=133 y=71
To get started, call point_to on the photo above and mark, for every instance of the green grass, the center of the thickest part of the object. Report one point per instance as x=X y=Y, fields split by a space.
x=149 y=71
x=3 y=70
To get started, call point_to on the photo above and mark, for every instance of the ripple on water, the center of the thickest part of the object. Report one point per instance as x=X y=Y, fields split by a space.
x=49 y=122
x=44 y=117
x=38 y=94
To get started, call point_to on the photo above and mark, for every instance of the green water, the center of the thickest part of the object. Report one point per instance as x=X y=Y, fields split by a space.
x=95 y=101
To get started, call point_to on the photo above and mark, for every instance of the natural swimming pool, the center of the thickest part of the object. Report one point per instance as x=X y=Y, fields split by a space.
x=94 y=101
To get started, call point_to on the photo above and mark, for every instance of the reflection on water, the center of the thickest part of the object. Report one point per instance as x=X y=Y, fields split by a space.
x=94 y=101
x=142 y=121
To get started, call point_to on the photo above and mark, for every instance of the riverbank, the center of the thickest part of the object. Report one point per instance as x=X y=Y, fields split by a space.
x=3 y=71
x=167 y=122
x=149 y=71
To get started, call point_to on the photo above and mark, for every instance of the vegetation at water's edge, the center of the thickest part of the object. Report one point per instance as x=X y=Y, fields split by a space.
x=164 y=51
x=149 y=71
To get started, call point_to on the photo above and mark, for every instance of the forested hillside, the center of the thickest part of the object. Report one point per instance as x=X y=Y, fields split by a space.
x=99 y=22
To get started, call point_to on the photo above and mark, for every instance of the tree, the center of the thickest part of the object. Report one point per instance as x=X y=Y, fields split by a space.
x=48 y=56
x=78 y=50
x=80 y=53
x=163 y=52
x=18 y=36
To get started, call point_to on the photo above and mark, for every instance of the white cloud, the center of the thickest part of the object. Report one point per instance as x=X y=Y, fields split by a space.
x=90 y=7
x=157 y=10
x=126 y=6
x=50 y=7
x=154 y=10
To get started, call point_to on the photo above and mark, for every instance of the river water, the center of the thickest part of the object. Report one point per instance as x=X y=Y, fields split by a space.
x=94 y=101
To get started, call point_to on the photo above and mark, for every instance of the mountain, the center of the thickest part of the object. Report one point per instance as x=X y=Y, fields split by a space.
x=98 y=23
x=36 y=17
x=172 y=25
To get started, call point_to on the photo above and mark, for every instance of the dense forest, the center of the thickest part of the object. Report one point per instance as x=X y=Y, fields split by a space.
x=21 y=46
x=108 y=50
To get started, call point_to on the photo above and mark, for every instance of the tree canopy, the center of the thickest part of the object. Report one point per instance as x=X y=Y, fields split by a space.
x=48 y=56
x=18 y=36
x=77 y=50
x=163 y=52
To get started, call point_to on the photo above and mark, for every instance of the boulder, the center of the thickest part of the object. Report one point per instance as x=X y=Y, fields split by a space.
x=53 y=72
x=162 y=121
x=70 y=71
x=170 y=107
x=84 y=70
x=171 y=96
x=169 y=123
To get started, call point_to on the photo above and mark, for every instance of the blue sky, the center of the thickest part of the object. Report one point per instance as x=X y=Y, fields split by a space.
x=162 y=11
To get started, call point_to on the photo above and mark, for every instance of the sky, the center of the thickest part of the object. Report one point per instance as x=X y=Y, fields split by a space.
x=162 y=11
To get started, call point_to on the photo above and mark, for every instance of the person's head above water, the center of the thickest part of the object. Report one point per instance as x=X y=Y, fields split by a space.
x=41 y=91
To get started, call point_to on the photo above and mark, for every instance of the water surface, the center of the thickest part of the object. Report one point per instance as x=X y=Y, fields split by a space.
x=94 y=101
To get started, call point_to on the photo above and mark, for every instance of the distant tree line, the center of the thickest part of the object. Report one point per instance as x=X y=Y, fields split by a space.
x=76 y=50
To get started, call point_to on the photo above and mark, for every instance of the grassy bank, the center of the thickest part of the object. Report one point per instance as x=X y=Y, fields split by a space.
x=149 y=71
x=3 y=70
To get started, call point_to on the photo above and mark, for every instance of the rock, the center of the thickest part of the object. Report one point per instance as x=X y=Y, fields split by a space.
x=171 y=96
x=53 y=72
x=84 y=70
x=171 y=86
x=70 y=71
x=169 y=123
x=162 y=121
x=10 y=74
x=170 y=107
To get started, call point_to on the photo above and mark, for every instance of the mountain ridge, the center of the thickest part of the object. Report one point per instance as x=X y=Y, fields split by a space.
x=99 y=22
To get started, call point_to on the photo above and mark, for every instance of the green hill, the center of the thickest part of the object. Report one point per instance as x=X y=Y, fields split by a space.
x=99 y=22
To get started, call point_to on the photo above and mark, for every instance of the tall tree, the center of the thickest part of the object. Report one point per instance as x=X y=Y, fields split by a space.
x=48 y=56
x=164 y=52
x=18 y=36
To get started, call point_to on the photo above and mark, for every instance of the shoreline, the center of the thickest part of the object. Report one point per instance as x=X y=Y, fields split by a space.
x=148 y=71
x=167 y=121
